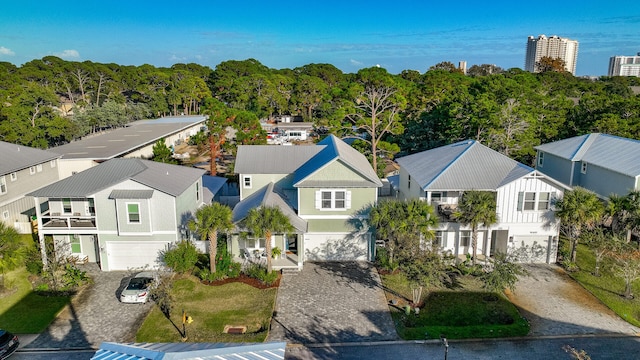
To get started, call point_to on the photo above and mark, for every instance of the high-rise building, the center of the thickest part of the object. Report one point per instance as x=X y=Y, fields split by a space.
x=553 y=47
x=624 y=65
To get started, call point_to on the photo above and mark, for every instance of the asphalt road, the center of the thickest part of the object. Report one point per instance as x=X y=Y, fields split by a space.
x=598 y=347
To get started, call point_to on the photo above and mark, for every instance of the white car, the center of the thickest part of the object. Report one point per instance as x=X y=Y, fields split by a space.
x=137 y=290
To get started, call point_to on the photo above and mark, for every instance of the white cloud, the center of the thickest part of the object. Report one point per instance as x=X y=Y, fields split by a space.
x=355 y=62
x=68 y=54
x=5 y=51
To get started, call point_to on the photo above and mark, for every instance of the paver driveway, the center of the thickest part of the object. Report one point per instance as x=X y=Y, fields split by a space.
x=95 y=315
x=555 y=304
x=330 y=302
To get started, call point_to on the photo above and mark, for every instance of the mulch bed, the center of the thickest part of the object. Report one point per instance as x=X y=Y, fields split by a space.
x=245 y=279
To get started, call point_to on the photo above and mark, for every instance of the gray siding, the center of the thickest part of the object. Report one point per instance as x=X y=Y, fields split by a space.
x=187 y=204
x=606 y=182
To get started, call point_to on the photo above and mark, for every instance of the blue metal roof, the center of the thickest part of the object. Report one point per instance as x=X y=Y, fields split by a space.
x=190 y=351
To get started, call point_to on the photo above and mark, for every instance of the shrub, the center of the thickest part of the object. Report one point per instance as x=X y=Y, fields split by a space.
x=382 y=259
x=259 y=272
x=74 y=277
x=33 y=261
x=182 y=257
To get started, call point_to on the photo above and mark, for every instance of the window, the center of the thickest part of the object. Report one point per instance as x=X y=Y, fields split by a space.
x=14 y=176
x=540 y=159
x=583 y=169
x=543 y=201
x=409 y=182
x=52 y=163
x=465 y=238
x=529 y=201
x=90 y=208
x=246 y=182
x=76 y=248
x=39 y=167
x=133 y=213
x=5 y=215
x=32 y=170
x=197 y=191
x=333 y=199
x=3 y=185
x=438 y=196
x=441 y=239
x=66 y=206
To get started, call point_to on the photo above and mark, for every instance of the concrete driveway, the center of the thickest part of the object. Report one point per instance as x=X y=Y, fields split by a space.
x=331 y=302
x=95 y=315
x=555 y=304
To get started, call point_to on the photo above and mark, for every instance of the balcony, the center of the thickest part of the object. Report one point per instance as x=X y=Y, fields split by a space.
x=68 y=221
x=446 y=211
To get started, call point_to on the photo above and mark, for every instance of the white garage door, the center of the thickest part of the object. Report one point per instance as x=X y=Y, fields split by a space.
x=134 y=254
x=332 y=247
x=530 y=248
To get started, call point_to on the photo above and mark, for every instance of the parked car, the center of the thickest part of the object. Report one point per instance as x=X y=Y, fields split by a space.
x=138 y=287
x=8 y=344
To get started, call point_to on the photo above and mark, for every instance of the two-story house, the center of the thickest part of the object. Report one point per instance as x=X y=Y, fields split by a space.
x=22 y=170
x=524 y=199
x=121 y=213
x=602 y=163
x=325 y=189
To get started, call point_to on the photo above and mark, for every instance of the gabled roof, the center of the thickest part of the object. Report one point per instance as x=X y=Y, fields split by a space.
x=615 y=153
x=170 y=179
x=190 y=351
x=272 y=159
x=18 y=157
x=465 y=165
x=335 y=149
x=266 y=196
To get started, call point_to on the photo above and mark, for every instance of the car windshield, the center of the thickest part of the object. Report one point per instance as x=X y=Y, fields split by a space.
x=5 y=337
x=138 y=283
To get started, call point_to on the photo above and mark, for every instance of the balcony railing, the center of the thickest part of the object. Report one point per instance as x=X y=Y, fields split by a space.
x=67 y=221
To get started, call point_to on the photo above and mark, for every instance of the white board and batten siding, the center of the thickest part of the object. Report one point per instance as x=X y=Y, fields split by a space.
x=336 y=247
x=129 y=255
x=508 y=200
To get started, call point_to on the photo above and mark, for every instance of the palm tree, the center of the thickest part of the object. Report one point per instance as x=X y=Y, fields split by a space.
x=265 y=221
x=208 y=220
x=579 y=209
x=476 y=208
x=400 y=222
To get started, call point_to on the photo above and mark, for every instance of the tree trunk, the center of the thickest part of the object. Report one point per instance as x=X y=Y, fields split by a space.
x=574 y=249
x=627 y=290
x=213 y=250
x=267 y=250
x=474 y=244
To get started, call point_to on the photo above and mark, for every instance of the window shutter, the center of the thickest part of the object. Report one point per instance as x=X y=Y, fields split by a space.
x=347 y=201
x=318 y=199
x=520 y=200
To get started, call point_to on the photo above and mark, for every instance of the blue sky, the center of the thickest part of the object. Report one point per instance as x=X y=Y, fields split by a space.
x=351 y=35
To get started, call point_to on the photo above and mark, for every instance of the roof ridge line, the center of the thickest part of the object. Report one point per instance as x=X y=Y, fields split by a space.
x=444 y=169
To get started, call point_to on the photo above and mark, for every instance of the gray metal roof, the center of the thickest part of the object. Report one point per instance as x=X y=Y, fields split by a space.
x=121 y=141
x=334 y=149
x=17 y=157
x=170 y=179
x=466 y=165
x=267 y=196
x=272 y=159
x=131 y=194
x=191 y=351
x=615 y=153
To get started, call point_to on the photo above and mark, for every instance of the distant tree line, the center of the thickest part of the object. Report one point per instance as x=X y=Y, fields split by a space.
x=51 y=101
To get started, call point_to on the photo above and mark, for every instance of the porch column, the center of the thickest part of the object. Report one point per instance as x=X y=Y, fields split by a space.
x=43 y=250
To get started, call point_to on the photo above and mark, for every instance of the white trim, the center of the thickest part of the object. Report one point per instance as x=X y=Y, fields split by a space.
x=3 y=183
x=583 y=167
x=32 y=170
x=135 y=234
x=14 y=176
x=333 y=192
x=5 y=215
x=39 y=168
x=332 y=217
x=52 y=163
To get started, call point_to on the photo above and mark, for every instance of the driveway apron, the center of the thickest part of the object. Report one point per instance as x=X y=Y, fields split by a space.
x=95 y=315
x=330 y=302
x=555 y=304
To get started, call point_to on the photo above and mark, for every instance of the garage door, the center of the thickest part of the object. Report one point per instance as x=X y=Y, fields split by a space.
x=333 y=247
x=134 y=254
x=530 y=248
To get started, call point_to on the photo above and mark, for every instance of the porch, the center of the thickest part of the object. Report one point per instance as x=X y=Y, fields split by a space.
x=289 y=260
x=58 y=221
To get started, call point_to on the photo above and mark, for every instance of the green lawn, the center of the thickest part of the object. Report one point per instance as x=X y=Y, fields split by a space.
x=23 y=311
x=212 y=307
x=606 y=287
x=461 y=313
